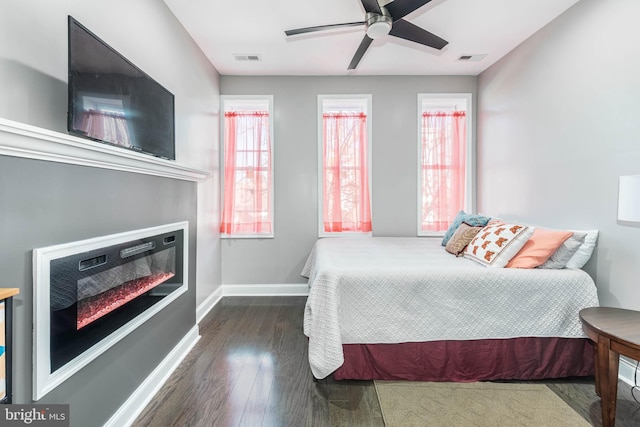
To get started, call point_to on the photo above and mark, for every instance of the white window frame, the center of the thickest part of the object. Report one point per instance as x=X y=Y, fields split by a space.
x=448 y=101
x=365 y=101
x=250 y=103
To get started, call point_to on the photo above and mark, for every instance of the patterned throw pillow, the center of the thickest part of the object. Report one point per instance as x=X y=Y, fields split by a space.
x=461 y=238
x=496 y=244
x=462 y=216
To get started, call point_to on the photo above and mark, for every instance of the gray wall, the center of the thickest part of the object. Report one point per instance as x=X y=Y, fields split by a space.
x=45 y=203
x=558 y=124
x=33 y=86
x=394 y=150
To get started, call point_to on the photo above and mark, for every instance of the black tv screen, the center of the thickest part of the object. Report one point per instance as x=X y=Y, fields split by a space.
x=113 y=101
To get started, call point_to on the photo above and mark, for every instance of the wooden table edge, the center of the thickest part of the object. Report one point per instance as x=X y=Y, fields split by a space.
x=8 y=292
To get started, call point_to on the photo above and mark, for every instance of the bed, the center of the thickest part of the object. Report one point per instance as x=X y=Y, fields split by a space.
x=405 y=309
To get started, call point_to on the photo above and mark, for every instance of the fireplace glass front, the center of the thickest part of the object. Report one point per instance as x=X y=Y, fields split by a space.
x=94 y=293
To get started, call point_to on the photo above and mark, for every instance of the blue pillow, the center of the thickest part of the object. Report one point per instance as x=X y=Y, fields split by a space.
x=462 y=216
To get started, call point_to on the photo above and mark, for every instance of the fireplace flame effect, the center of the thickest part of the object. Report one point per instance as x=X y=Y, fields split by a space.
x=94 y=307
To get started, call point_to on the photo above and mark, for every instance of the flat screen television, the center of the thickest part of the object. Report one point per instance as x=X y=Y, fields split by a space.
x=113 y=101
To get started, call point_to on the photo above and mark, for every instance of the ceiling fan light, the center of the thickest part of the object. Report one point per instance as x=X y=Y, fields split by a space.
x=378 y=29
x=379 y=24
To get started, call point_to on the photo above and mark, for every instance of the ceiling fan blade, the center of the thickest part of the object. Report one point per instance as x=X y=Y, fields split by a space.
x=406 y=30
x=322 y=28
x=400 y=8
x=372 y=6
x=364 y=45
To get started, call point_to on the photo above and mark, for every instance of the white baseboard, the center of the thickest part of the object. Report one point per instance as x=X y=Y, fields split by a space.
x=206 y=305
x=627 y=370
x=140 y=398
x=284 y=289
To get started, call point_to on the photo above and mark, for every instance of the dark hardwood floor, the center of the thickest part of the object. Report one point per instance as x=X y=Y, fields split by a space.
x=250 y=369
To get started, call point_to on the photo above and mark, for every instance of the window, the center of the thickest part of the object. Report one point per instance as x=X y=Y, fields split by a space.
x=104 y=119
x=247 y=182
x=444 y=160
x=344 y=164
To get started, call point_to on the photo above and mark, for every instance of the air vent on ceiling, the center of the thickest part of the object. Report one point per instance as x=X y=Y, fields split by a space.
x=252 y=58
x=472 y=58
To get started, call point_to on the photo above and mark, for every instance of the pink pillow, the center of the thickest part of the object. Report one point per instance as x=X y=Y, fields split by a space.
x=542 y=244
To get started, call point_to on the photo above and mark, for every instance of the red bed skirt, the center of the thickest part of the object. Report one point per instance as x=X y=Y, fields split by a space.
x=464 y=361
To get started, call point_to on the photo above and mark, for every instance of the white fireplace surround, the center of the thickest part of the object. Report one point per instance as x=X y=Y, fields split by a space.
x=43 y=379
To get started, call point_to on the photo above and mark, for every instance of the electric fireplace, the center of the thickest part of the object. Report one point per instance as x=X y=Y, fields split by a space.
x=90 y=294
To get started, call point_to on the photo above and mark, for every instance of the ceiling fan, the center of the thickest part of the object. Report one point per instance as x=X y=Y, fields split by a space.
x=383 y=20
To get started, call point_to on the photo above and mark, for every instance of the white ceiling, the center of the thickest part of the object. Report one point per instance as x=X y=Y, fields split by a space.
x=223 y=29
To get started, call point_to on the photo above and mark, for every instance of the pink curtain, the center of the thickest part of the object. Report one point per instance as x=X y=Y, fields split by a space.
x=110 y=127
x=443 y=167
x=247 y=174
x=346 y=204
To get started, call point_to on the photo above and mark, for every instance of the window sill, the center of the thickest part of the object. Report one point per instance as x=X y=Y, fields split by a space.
x=431 y=234
x=247 y=236
x=31 y=142
x=345 y=234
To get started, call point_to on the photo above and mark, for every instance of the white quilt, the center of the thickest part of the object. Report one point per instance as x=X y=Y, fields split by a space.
x=392 y=290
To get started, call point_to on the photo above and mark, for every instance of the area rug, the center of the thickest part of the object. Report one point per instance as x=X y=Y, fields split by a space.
x=407 y=404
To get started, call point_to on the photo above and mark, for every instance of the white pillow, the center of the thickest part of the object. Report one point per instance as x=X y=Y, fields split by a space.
x=583 y=254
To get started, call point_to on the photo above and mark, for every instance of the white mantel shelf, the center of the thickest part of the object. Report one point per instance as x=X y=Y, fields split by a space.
x=31 y=142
